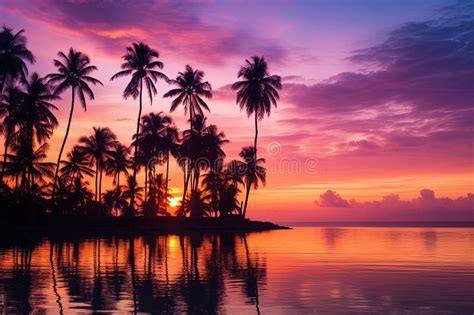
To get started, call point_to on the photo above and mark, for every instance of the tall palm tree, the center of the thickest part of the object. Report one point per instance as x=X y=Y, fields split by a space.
x=189 y=93
x=74 y=71
x=142 y=64
x=98 y=148
x=257 y=91
x=13 y=57
x=10 y=111
x=253 y=172
x=118 y=163
x=76 y=166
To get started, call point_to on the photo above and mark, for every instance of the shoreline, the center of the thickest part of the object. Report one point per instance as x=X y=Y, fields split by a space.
x=71 y=225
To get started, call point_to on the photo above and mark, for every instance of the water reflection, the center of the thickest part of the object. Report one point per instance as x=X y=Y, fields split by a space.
x=305 y=270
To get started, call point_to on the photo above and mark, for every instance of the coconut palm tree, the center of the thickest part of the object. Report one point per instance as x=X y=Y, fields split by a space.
x=98 y=148
x=76 y=166
x=74 y=71
x=252 y=171
x=10 y=111
x=142 y=64
x=118 y=163
x=37 y=120
x=13 y=57
x=190 y=92
x=171 y=148
x=257 y=91
x=31 y=164
x=132 y=189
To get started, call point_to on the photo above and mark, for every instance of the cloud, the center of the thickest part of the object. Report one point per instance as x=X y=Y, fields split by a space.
x=179 y=27
x=331 y=199
x=391 y=207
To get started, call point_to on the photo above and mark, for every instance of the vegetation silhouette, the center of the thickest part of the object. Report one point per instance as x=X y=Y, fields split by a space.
x=33 y=187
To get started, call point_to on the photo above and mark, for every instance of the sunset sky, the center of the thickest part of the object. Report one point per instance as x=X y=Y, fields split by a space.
x=376 y=112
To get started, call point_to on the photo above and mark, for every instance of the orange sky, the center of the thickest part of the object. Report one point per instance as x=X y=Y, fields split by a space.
x=356 y=115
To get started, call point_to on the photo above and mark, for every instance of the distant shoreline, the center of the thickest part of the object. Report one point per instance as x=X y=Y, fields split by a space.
x=455 y=224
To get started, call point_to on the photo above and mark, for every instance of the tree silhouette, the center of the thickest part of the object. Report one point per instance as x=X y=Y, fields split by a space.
x=252 y=171
x=74 y=71
x=76 y=165
x=118 y=163
x=142 y=64
x=98 y=148
x=13 y=57
x=257 y=91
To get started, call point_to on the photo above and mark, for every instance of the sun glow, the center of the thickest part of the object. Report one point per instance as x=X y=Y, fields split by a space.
x=173 y=201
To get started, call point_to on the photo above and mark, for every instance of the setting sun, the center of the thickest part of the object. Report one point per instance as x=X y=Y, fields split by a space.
x=174 y=201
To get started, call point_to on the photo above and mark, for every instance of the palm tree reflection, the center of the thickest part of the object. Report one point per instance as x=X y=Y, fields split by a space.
x=151 y=274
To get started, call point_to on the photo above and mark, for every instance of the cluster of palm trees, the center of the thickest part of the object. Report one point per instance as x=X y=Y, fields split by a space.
x=210 y=186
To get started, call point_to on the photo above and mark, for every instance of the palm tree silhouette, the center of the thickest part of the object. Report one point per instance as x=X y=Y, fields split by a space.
x=74 y=71
x=98 y=148
x=142 y=64
x=150 y=141
x=76 y=166
x=132 y=189
x=170 y=147
x=252 y=171
x=31 y=164
x=10 y=112
x=13 y=57
x=118 y=163
x=257 y=92
x=191 y=89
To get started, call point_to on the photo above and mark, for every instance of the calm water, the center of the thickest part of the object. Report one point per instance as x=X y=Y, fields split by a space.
x=305 y=270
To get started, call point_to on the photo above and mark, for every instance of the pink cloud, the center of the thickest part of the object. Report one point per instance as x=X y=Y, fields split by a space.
x=425 y=207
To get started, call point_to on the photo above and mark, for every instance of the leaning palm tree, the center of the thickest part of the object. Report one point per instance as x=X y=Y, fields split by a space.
x=189 y=93
x=142 y=64
x=118 y=163
x=74 y=71
x=257 y=91
x=13 y=57
x=253 y=172
x=98 y=148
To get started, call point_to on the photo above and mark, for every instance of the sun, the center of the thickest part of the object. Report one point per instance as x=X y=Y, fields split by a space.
x=174 y=201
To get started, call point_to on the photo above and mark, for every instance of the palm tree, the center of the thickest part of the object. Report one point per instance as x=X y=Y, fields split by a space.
x=76 y=166
x=98 y=148
x=10 y=111
x=118 y=163
x=37 y=120
x=197 y=204
x=253 y=172
x=142 y=64
x=31 y=164
x=257 y=92
x=73 y=72
x=13 y=57
x=170 y=147
x=191 y=89
x=150 y=140
x=132 y=190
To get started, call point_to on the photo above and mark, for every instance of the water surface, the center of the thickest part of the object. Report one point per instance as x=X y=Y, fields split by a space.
x=304 y=270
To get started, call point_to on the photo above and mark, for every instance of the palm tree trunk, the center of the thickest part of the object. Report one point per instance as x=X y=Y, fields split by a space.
x=256 y=136
x=62 y=146
x=146 y=181
x=246 y=198
x=167 y=174
x=7 y=142
x=100 y=183
x=96 y=179
x=132 y=195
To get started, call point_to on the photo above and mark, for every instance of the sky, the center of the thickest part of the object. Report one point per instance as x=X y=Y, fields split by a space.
x=375 y=116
